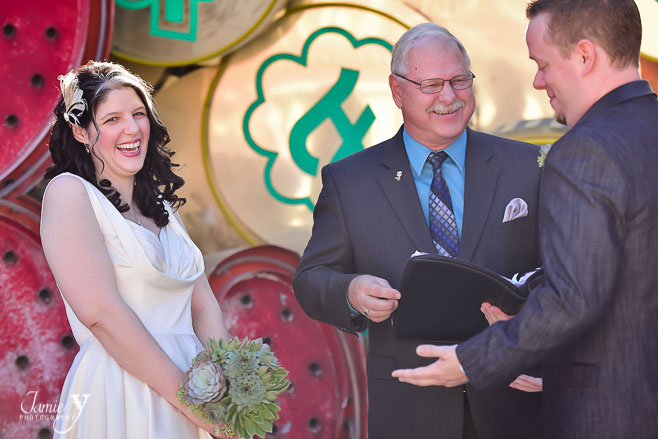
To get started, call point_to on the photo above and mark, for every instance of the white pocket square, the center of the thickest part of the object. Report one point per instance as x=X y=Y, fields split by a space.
x=517 y=208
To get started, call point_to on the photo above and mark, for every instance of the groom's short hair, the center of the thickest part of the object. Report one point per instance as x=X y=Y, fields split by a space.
x=614 y=25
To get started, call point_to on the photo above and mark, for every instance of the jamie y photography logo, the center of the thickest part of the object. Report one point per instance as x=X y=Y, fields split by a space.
x=34 y=410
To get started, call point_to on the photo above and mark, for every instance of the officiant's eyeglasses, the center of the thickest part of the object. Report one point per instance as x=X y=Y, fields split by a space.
x=435 y=85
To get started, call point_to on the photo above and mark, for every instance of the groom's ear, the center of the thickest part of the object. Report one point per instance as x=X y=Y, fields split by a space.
x=587 y=53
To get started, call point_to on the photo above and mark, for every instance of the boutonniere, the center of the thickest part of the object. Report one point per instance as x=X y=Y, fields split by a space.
x=543 y=152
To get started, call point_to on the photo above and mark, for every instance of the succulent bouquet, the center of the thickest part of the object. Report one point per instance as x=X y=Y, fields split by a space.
x=236 y=383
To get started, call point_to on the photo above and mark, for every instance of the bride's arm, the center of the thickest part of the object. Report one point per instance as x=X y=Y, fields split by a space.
x=76 y=253
x=207 y=316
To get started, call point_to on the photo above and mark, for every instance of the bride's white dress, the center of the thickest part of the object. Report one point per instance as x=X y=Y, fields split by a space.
x=155 y=276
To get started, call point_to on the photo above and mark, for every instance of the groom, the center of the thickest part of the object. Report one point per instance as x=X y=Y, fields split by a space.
x=595 y=322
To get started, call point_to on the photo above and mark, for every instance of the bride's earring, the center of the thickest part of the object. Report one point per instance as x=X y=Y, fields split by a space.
x=86 y=148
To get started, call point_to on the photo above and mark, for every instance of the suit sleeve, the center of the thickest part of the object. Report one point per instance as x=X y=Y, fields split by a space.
x=581 y=232
x=327 y=267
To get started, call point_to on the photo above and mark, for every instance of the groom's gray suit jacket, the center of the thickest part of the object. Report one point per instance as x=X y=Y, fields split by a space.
x=596 y=320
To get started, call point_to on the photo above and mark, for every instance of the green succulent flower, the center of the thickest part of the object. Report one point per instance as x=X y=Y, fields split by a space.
x=239 y=362
x=216 y=411
x=267 y=358
x=254 y=379
x=247 y=390
x=204 y=383
x=543 y=152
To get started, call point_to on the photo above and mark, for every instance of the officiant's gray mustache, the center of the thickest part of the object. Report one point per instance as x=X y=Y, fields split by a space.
x=445 y=109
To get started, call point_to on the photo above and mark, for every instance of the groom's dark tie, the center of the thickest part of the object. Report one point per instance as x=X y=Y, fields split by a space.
x=442 y=219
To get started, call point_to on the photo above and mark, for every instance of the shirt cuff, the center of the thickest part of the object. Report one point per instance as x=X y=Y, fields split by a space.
x=353 y=312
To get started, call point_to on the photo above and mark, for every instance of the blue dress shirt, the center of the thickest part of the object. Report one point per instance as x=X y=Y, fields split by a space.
x=452 y=170
x=453 y=173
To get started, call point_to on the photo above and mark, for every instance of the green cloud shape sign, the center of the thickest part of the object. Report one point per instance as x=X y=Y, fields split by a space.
x=327 y=107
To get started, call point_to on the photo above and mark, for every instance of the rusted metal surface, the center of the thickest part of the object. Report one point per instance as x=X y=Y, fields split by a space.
x=41 y=40
x=37 y=347
x=327 y=368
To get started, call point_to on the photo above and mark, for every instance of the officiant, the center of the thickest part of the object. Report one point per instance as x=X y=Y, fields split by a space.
x=437 y=187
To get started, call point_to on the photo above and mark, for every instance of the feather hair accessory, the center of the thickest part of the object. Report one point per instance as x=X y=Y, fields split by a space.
x=72 y=95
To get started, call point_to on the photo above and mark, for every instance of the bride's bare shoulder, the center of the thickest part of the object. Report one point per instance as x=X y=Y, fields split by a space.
x=65 y=192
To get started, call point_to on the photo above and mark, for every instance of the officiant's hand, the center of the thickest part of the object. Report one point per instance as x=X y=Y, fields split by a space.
x=493 y=314
x=526 y=383
x=373 y=297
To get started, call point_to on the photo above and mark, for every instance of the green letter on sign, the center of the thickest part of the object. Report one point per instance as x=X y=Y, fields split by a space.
x=329 y=107
x=174 y=12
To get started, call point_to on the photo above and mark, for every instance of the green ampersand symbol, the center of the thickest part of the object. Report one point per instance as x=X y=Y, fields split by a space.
x=328 y=107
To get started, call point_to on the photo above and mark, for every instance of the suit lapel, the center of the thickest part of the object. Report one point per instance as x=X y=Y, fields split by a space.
x=402 y=194
x=479 y=188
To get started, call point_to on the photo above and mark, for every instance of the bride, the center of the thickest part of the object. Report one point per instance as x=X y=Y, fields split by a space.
x=133 y=282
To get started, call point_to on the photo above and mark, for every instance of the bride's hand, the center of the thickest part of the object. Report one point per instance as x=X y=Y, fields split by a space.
x=210 y=428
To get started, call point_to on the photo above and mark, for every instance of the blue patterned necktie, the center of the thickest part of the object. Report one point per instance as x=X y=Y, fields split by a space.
x=442 y=219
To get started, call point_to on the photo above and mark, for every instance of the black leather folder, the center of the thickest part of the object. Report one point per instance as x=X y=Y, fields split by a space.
x=441 y=298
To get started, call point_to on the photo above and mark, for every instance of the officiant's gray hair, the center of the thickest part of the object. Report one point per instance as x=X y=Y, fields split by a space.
x=415 y=37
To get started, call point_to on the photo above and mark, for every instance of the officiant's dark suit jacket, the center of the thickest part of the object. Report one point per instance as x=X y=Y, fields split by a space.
x=596 y=321
x=368 y=222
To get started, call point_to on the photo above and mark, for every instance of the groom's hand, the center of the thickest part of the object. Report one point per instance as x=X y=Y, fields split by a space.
x=373 y=297
x=446 y=371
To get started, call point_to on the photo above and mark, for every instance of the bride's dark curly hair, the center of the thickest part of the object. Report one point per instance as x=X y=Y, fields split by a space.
x=155 y=182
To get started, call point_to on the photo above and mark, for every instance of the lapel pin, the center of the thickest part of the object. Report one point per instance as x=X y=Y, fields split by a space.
x=398 y=175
